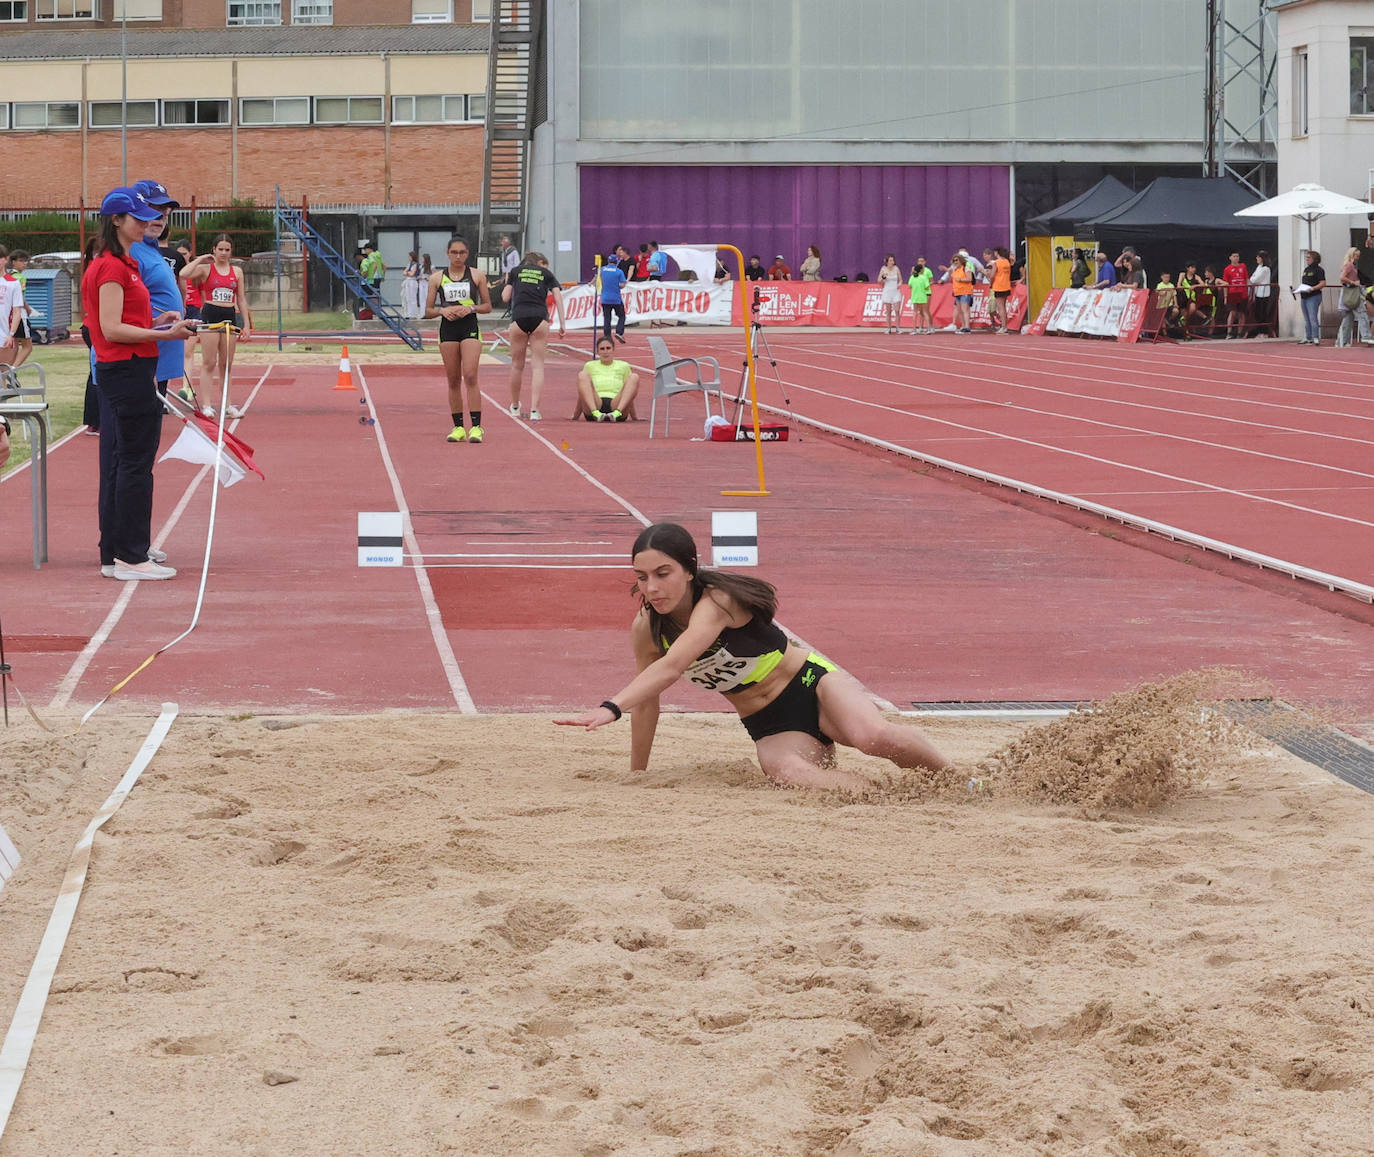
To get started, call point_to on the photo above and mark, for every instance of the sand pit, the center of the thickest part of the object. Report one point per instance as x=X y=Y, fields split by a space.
x=428 y=934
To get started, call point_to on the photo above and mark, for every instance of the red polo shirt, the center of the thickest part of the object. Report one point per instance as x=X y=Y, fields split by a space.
x=138 y=309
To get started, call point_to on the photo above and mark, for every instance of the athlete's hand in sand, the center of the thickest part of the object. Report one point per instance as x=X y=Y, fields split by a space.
x=591 y=720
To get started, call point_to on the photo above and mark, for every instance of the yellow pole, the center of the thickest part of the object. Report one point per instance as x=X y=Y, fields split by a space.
x=762 y=491
x=596 y=303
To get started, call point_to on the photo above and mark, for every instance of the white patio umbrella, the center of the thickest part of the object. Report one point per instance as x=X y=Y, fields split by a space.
x=1307 y=203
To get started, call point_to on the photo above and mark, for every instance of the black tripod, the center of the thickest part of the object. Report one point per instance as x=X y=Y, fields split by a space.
x=758 y=342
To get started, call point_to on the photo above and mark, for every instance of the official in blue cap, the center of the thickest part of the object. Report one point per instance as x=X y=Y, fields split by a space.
x=161 y=267
x=120 y=317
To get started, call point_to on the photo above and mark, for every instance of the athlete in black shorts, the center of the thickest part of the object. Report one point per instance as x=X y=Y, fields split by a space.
x=456 y=296
x=528 y=289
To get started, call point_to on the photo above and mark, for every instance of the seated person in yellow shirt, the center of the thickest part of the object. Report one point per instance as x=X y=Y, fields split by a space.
x=606 y=388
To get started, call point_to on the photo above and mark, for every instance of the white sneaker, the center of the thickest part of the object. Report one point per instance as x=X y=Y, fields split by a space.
x=536 y=416
x=156 y=555
x=207 y=411
x=144 y=570
x=515 y=409
x=232 y=411
x=107 y=571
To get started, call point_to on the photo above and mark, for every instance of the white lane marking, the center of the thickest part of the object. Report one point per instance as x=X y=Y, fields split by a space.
x=515 y=554
x=515 y=566
x=18 y=1045
x=67 y=688
x=457 y=685
x=1063 y=450
x=1110 y=401
x=523 y=542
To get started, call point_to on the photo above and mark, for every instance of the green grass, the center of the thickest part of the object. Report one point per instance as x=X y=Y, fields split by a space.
x=66 y=367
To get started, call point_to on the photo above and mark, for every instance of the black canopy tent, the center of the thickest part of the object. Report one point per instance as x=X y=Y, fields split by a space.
x=1175 y=220
x=1061 y=221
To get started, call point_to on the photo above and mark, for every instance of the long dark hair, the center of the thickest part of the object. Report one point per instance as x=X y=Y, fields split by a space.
x=109 y=235
x=757 y=597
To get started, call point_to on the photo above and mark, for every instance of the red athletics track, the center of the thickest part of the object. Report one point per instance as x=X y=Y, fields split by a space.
x=1263 y=445
x=925 y=587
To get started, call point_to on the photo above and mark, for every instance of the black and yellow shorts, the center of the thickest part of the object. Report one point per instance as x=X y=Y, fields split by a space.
x=796 y=708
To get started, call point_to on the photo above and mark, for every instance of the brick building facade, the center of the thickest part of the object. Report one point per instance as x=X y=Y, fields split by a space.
x=383 y=105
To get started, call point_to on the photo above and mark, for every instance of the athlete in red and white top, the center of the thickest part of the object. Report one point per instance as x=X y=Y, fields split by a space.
x=221 y=287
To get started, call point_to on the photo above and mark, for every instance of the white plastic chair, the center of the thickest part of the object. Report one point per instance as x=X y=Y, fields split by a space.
x=668 y=381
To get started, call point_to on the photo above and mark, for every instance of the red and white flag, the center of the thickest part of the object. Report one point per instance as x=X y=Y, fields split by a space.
x=196 y=443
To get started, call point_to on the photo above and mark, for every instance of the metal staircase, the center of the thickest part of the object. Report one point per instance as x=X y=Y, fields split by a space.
x=291 y=220
x=514 y=81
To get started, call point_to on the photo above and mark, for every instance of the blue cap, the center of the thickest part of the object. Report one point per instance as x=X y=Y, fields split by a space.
x=128 y=201
x=155 y=193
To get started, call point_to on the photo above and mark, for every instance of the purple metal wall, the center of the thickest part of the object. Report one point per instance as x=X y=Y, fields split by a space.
x=856 y=214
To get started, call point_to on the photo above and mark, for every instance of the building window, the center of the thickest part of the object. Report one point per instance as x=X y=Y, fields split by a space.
x=1300 y=92
x=312 y=11
x=195 y=112
x=477 y=106
x=431 y=11
x=136 y=10
x=481 y=11
x=105 y=114
x=4 y=115
x=280 y=110
x=47 y=115
x=429 y=110
x=66 y=9
x=348 y=110
x=1362 y=76
x=253 y=12
x=14 y=10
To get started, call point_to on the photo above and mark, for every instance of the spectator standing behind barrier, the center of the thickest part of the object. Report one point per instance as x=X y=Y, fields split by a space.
x=1237 y=279
x=890 y=278
x=1262 y=301
x=624 y=262
x=612 y=303
x=23 y=331
x=755 y=271
x=642 y=264
x=411 y=289
x=811 y=267
x=658 y=263
x=11 y=312
x=1354 y=317
x=1166 y=298
x=1310 y=295
x=1106 y=273
x=126 y=345
x=779 y=270
x=1079 y=272
x=919 y=284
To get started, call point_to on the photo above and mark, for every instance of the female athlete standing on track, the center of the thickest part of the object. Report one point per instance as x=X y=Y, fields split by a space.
x=456 y=296
x=527 y=290
x=717 y=629
x=221 y=288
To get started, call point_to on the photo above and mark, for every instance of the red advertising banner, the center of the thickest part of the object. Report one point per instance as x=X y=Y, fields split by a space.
x=1117 y=313
x=861 y=304
x=1042 y=319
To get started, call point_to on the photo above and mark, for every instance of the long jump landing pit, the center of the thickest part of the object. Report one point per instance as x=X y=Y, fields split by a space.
x=449 y=934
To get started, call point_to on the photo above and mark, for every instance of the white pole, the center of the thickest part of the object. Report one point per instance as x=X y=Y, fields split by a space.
x=123 y=92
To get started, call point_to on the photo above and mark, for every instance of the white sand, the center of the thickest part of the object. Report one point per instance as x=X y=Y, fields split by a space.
x=483 y=936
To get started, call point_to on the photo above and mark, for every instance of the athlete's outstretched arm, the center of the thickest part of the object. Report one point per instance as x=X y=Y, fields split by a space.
x=644 y=718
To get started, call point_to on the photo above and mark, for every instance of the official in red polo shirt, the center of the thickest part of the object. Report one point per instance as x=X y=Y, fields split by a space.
x=120 y=319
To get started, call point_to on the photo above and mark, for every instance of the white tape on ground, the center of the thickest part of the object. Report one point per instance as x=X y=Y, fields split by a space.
x=14 y=1054
x=9 y=857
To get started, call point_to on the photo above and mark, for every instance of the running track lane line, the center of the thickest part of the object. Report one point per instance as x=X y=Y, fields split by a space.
x=1264 y=562
x=1061 y=416
x=457 y=684
x=67 y=688
x=1090 y=457
x=883 y=704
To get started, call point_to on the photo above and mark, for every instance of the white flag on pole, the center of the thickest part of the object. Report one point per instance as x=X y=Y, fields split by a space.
x=193 y=445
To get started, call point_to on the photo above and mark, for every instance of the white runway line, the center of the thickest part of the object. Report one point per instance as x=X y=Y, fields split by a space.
x=67 y=688
x=18 y=1046
x=457 y=684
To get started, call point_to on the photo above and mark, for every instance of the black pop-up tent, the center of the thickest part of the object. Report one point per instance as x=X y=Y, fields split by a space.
x=1062 y=220
x=1174 y=220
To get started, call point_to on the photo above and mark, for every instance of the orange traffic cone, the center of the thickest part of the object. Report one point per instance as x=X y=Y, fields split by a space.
x=345 y=373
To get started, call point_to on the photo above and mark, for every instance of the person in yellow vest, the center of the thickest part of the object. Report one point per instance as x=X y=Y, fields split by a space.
x=606 y=388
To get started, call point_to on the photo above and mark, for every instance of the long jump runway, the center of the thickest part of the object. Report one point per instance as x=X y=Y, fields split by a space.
x=515 y=596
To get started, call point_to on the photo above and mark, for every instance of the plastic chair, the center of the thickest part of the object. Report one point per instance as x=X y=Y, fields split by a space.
x=667 y=381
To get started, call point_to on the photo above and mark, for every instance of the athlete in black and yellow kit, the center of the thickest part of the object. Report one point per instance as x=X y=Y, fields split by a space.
x=717 y=629
x=456 y=296
x=528 y=288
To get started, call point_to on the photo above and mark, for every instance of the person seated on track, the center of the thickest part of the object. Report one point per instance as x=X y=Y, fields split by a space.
x=606 y=388
x=717 y=628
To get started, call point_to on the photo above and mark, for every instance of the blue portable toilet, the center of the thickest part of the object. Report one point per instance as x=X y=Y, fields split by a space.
x=48 y=292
